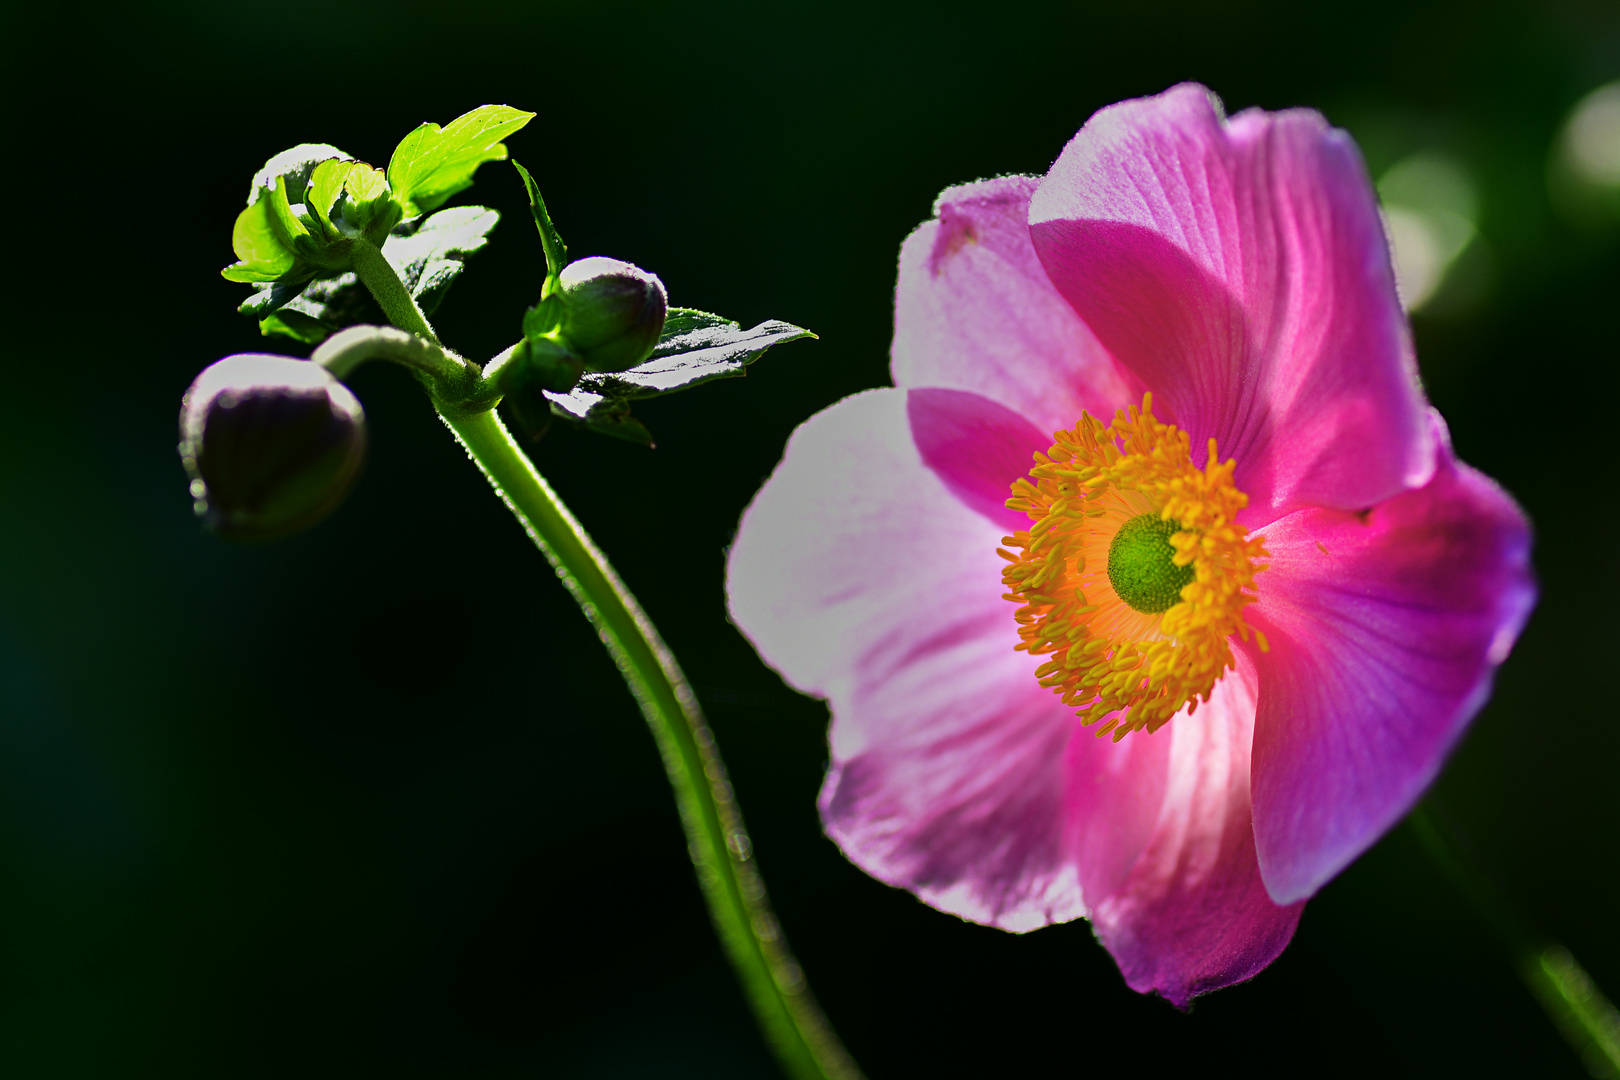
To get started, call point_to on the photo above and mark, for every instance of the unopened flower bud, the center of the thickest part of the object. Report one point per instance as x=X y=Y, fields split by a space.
x=613 y=312
x=272 y=445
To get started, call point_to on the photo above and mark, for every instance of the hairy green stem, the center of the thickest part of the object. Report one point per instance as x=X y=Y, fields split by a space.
x=1586 y=1019
x=795 y=1028
x=391 y=294
x=348 y=349
x=793 y=1024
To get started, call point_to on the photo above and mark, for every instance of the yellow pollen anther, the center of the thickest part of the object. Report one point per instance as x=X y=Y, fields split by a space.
x=1129 y=668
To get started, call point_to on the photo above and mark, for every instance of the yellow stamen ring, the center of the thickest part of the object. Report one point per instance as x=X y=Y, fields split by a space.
x=1132 y=669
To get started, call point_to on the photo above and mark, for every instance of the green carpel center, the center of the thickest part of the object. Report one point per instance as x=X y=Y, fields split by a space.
x=1140 y=567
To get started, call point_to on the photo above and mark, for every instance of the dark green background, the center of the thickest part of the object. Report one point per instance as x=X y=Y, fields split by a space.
x=374 y=802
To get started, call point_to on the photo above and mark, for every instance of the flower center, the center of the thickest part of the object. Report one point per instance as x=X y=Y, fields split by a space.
x=1134 y=572
x=1141 y=564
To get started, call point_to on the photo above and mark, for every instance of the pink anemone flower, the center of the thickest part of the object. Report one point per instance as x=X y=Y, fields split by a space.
x=1267 y=577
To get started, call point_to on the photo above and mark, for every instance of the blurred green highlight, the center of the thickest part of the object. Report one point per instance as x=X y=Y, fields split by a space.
x=1577 y=1007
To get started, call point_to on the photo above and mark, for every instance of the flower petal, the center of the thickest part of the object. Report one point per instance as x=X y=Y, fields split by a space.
x=974 y=310
x=854 y=561
x=1193 y=916
x=978 y=791
x=1240 y=270
x=861 y=578
x=977 y=447
x=1385 y=630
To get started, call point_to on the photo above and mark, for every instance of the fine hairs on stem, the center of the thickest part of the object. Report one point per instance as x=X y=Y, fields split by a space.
x=804 y=1043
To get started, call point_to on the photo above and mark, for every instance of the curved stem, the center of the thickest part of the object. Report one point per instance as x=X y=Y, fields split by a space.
x=793 y=1024
x=348 y=349
x=1586 y=1019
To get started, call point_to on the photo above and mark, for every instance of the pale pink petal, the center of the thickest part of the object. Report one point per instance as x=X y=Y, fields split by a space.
x=978 y=791
x=854 y=560
x=1193 y=915
x=861 y=578
x=1240 y=270
x=1385 y=629
x=977 y=447
x=974 y=310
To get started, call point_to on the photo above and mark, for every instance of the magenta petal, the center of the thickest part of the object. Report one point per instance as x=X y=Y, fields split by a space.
x=974 y=310
x=861 y=578
x=980 y=796
x=1193 y=915
x=1240 y=270
x=1385 y=629
x=977 y=447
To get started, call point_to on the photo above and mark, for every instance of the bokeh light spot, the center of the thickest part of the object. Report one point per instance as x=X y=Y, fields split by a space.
x=1430 y=209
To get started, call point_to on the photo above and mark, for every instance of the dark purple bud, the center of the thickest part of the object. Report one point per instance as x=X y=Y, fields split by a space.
x=613 y=312
x=272 y=445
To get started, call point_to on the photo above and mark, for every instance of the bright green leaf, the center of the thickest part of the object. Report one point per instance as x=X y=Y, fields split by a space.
x=346 y=197
x=325 y=185
x=429 y=258
x=366 y=184
x=366 y=191
x=284 y=219
x=262 y=254
x=368 y=204
x=431 y=163
x=280 y=236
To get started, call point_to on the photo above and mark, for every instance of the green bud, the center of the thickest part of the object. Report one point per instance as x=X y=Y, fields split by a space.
x=612 y=312
x=272 y=445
